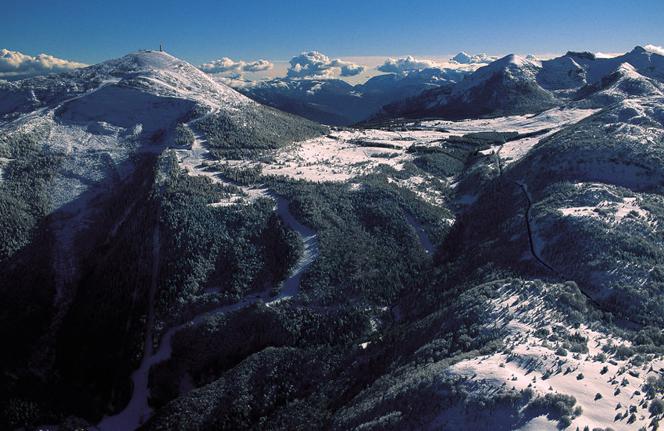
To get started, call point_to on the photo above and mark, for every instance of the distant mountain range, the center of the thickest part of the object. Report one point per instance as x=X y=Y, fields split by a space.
x=336 y=102
x=486 y=86
x=518 y=85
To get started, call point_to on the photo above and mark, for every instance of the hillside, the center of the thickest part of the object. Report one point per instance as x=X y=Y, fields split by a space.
x=179 y=256
x=622 y=84
x=82 y=199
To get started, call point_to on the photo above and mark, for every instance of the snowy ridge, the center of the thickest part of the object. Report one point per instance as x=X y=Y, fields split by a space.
x=626 y=82
x=162 y=74
x=513 y=67
x=515 y=85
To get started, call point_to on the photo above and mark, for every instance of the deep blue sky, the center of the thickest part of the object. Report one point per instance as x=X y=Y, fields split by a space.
x=93 y=30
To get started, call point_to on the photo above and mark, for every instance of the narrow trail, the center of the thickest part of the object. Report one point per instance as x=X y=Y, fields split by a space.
x=196 y=154
x=138 y=411
x=192 y=160
x=198 y=150
x=558 y=274
x=499 y=161
x=531 y=241
x=310 y=252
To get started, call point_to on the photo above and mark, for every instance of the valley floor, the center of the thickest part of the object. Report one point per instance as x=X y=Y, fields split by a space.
x=604 y=387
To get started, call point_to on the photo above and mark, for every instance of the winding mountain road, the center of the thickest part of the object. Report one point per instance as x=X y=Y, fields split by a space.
x=137 y=411
x=531 y=241
x=536 y=255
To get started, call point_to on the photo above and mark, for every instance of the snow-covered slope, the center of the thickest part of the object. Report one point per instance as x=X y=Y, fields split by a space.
x=153 y=72
x=507 y=86
x=595 y=202
x=561 y=73
x=544 y=355
x=116 y=107
x=626 y=82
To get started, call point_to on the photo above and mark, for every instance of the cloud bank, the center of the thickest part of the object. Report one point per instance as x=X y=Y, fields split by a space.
x=654 y=48
x=313 y=64
x=406 y=64
x=463 y=58
x=226 y=65
x=16 y=65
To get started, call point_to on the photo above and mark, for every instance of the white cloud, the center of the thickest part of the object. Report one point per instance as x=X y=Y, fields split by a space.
x=463 y=58
x=258 y=66
x=654 y=48
x=406 y=64
x=351 y=69
x=608 y=54
x=14 y=64
x=313 y=64
x=221 y=66
x=226 y=65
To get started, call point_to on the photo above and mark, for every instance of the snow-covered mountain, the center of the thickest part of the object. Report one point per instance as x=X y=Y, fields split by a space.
x=647 y=62
x=335 y=102
x=503 y=87
x=329 y=101
x=626 y=82
x=175 y=255
x=150 y=72
x=517 y=85
x=121 y=105
x=564 y=73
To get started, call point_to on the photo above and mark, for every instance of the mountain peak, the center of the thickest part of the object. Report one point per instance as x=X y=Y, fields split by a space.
x=627 y=69
x=151 y=59
x=462 y=57
x=163 y=74
x=511 y=60
x=581 y=54
x=516 y=59
x=648 y=49
x=144 y=60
